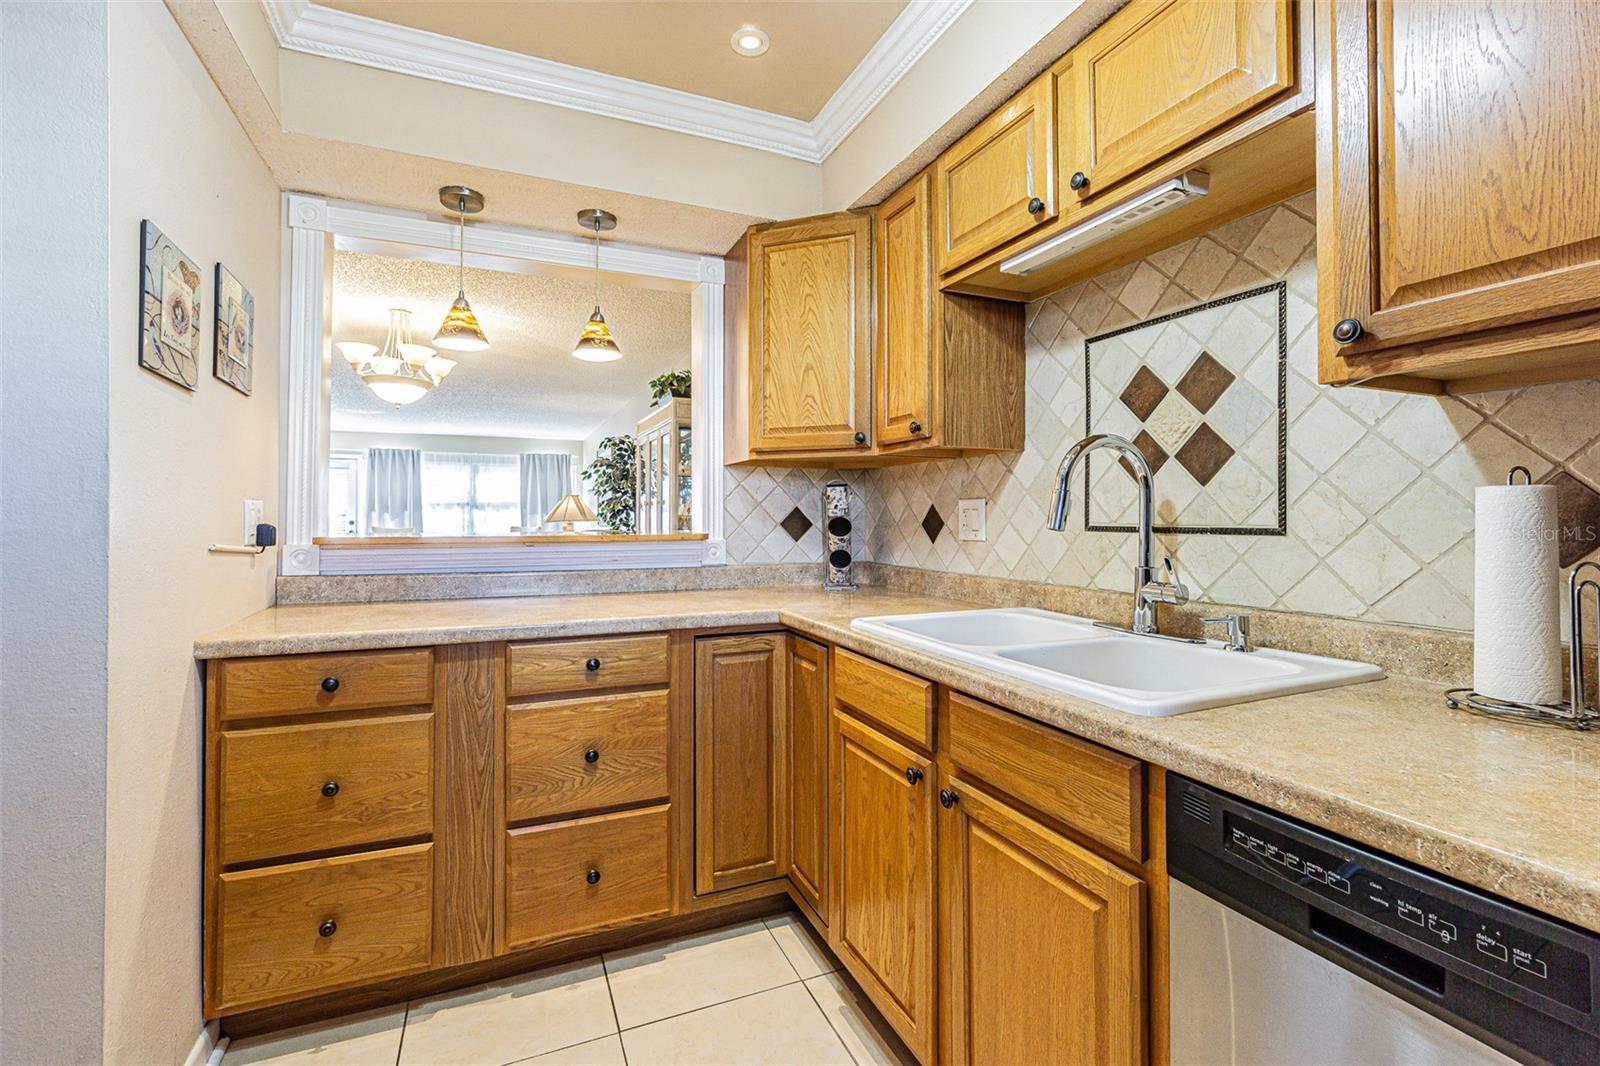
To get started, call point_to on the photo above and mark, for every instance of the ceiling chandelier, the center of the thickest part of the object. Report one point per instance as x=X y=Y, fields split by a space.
x=400 y=372
x=460 y=331
x=596 y=344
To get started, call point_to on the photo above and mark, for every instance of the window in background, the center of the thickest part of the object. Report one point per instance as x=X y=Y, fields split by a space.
x=470 y=495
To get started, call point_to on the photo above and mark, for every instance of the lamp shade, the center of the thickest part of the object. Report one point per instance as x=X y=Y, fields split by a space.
x=460 y=331
x=570 y=509
x=596 y=345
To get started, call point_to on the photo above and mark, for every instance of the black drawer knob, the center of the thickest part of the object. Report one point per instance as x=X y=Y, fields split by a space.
x=914 y=774
x=592 y=755
x=327 y=928
x=916 y=427
x=861 y=438
x=594 y=876
x=947 y=799
x=1079 y=180
x=1035 y=205
x=330 y=684
x=592 y=665
x=1346 y=330
x=330 y=789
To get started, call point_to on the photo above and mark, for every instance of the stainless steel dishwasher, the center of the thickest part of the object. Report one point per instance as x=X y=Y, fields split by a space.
x=1291 y=945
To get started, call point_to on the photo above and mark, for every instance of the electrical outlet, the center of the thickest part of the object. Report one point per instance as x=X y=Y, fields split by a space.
x=972 y=522
x=252 y=517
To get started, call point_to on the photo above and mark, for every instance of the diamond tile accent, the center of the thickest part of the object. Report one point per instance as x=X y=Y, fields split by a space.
x=932 y=523
x=1153 y=453
x=1577 y=516
x=1204 y=453
x=1143 y=393
x=796 y=524
x=1205 y=382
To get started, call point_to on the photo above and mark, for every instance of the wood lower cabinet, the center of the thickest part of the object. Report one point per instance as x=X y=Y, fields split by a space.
x=808 y=772
x=1457 y=228
x=883 y=863
x=741 y=780
x=1044 y=941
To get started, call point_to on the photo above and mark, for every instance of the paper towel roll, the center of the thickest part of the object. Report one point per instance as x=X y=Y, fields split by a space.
x=1516 y=602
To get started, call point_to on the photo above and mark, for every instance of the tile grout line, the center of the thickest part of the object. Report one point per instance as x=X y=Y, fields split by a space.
x=605 y=972
x=405 y=1020
x=708 y=1006
x=836 y=1034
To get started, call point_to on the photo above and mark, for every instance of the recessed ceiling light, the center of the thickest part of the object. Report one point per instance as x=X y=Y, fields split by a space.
x=749 y=41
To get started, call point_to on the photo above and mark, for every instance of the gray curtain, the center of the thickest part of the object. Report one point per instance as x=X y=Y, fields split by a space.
x=546 y=477
x=394 y=490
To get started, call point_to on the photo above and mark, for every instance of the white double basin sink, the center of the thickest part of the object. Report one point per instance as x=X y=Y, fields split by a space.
x=1139 y=674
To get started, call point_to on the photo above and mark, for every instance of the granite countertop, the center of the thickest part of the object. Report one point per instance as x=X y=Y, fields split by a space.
x=1505 y=807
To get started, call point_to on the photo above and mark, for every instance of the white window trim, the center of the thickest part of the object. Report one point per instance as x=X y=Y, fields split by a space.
x=311 y=225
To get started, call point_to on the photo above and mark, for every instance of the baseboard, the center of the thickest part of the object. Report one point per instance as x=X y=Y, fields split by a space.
x=208 y=1047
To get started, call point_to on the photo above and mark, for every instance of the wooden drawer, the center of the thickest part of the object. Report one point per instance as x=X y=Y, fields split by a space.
x=549 y=747
x=275 y=786
x=311 y=684
x=1097 y=791
x=587 y=663
x=892 y=698
x=587 y=874
x=376 y=910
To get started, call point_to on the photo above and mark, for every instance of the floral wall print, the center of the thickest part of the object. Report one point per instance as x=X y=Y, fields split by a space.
x=236 y=328
x=169 y=312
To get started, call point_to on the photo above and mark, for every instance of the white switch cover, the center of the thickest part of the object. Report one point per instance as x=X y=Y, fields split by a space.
x=973 y=520
x=252 y=518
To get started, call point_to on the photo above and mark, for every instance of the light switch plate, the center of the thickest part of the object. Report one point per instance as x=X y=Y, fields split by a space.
x=972 y=522
x=253 y=510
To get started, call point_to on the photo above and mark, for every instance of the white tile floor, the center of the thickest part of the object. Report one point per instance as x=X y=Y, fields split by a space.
x=760 y=992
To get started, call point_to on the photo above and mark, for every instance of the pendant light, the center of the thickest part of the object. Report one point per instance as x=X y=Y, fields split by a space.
x=401 y=372
x=460 y=331
x=596 y=345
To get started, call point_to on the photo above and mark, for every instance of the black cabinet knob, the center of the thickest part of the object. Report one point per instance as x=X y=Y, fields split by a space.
x=947 y=799
x=330 y=789
x=594 y=876
x=913 y=774
x=1035 y=205
x=861 y=438
x=916 y=427
x=327 y=928
x=592 y=665
x=330 y=684
x=1346 y=330
x=592 y=755
x=1079 y=180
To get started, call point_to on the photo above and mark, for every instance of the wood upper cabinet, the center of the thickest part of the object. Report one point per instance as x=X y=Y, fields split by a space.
x=999 y=181
x=808 y=772
x=1161 y=74
x=810 y=325
x=1458 y=230
x=741 y=778
x=1037 y=930
x=903 y=359
x=883 y=913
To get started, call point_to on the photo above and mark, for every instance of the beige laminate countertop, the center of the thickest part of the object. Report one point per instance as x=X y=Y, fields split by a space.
x=1508 y=808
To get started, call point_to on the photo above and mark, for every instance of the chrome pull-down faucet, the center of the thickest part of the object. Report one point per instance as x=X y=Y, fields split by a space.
x=1147 y=591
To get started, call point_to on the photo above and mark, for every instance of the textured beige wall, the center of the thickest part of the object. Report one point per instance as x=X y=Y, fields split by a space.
x=181 y=463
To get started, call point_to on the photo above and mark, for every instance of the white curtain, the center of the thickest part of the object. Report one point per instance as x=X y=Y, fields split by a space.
x=546 y=477
x=469 y=495
x=394 y=490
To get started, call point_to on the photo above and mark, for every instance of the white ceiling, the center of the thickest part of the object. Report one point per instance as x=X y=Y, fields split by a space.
x=527 y=384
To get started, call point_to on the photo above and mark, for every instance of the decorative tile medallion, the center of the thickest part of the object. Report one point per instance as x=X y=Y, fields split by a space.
x=1188 y=389
x=796 y=524
x=932 y=523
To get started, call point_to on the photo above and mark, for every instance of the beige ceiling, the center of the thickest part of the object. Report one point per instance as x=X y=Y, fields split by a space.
x=682 y=45
x=527 y=384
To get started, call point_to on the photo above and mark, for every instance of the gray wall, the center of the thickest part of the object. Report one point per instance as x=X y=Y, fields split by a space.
x=53 y=528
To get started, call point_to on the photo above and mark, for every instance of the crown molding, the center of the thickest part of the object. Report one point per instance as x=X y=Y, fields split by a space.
x=302 y=26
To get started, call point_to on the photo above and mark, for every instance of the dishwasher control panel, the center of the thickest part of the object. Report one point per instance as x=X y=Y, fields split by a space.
x=1487 y=942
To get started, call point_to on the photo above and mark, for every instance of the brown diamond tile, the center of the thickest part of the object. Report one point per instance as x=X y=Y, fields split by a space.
x=932 y=523
x=796 y=524
x=1577 y=516
x=1204 y=382
x=1204 y=453
x=1143 y=392
x=1154 y=453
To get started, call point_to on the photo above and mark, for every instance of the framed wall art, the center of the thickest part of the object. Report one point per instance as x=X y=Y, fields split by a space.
x=169 y=310
x=234 y=361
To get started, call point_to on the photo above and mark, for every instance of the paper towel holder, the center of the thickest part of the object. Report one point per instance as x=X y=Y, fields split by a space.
x=1527 y=478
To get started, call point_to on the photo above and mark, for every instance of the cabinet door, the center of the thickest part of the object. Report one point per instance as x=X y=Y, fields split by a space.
x=1457 y=151
x=999 y=181
x=903 y=369
x=1162 y=74
x=808 y=772
x=1036 y=928
x=810 y=335
x=741 y=787
x=884 y=870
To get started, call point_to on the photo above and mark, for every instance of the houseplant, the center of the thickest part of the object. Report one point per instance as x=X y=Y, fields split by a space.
x=674 y=383
x=611 y=476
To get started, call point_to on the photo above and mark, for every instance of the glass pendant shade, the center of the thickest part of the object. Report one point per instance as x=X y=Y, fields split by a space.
x=596 y=345
x=402 y=371
x=460 y=331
